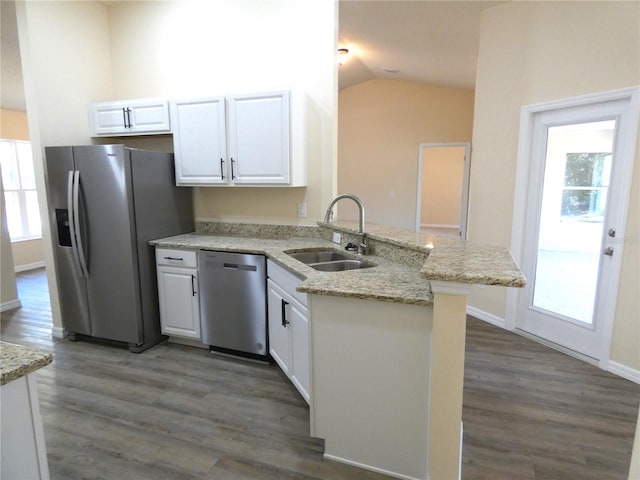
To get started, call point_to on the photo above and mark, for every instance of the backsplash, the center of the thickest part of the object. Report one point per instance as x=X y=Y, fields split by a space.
x=404 y=254
x=256 y=230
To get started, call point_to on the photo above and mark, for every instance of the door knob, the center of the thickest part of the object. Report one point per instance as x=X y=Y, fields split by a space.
x=612 y=232
x=608 y=251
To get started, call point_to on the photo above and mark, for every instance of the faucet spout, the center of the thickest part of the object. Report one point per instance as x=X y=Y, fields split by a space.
x=363 y=247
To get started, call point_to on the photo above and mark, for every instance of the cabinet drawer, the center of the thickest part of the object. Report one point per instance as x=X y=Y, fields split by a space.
x=286 y=280
x=178 y=258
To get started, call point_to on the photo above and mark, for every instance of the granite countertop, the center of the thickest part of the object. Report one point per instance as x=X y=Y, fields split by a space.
x=447 y=259
x=17 y=361
x=386 y=281
x=450 y=259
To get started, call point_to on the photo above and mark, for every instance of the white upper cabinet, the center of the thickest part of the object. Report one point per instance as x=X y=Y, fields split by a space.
x=130 y=117
x=259 y=138
x=199 y=141
x=235 y=140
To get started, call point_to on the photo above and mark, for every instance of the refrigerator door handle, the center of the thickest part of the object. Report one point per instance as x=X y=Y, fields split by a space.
x=76 y=220
x=72 y=229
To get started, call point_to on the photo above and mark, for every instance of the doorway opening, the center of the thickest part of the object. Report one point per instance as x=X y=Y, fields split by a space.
x=443 y=189
x=20 y=189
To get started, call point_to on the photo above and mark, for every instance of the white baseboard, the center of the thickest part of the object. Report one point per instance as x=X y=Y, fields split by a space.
x=487 y=317
x=368 y=467
x=613 y=367
x=624 y=371
x=10 y=305
x=28 y=266
x=58 y=332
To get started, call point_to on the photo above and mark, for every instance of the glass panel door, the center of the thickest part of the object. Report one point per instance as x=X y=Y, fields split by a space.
x=574 y=200
x=575 y=165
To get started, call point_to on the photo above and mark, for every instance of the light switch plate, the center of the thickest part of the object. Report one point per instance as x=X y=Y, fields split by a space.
x=337 y=238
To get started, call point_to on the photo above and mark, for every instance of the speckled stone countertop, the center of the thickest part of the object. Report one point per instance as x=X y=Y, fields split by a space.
x=403 y=277
x=450 y=259
x=386 y=281
x=17 y=361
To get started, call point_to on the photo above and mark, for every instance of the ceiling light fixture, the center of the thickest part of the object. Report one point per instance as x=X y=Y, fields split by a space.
x=343 y=54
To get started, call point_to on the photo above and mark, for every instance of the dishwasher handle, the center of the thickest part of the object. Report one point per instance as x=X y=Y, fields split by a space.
x=239 y=266
x=283 y=306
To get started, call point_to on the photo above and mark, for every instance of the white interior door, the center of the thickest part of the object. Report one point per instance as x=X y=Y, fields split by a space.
x=574 y=175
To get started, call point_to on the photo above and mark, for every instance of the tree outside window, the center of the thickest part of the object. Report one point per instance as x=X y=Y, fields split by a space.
x=586 y=180
x=19 y=184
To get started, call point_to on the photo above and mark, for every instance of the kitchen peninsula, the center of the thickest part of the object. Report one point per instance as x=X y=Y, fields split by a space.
x=386 y=343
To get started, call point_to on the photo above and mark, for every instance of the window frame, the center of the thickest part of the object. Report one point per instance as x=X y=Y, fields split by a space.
x=22 y=194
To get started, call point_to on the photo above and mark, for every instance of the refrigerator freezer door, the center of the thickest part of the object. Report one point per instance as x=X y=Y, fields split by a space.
x=108 y=237
x=162 y=209
x=73 y=292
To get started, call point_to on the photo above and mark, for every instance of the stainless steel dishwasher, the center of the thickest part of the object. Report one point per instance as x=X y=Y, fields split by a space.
x=233 y=305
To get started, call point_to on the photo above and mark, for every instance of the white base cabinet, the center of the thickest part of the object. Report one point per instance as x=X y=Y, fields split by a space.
x=178 y=293
x=289 y=327
x=23 y=452
x=130 y=117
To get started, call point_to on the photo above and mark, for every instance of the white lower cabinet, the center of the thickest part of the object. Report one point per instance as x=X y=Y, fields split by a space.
x=178 y=293
x=279 y=333
x=289 y=327
x=24 y=453
x=300 y=372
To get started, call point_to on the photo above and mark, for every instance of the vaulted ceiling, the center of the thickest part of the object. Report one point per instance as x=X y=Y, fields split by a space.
x=423 y=41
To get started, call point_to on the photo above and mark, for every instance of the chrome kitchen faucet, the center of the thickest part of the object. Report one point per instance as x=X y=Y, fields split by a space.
x=363 y=248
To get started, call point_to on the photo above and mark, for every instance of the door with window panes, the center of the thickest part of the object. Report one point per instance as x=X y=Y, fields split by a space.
x=577 y=196
x=19 y=185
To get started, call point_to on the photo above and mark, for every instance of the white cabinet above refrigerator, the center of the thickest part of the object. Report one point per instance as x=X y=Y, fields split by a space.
x=146 y=116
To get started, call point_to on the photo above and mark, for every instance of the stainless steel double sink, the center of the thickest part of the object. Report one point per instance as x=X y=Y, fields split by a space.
x=329 y=260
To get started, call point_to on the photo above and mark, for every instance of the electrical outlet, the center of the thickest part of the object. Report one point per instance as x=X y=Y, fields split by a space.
x=302 y=209
x=337 y=238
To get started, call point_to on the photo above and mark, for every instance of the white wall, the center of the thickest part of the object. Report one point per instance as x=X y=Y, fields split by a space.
x=189 y=49
x=8 y=287
x=531 y=52
x=381 y=124
x=66 y=63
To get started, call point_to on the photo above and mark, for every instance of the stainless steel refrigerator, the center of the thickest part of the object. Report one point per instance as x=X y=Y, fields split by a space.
x=105 y=203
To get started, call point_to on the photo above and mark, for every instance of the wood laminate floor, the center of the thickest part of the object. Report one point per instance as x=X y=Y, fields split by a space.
x=175 y=412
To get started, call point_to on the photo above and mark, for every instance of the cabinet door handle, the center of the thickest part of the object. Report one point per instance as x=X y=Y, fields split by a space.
x=283 y=305
x=124 y=117
x=193 y=285
x=180 y=259
x=128 y=117
x=221 y=169
x=233 y=175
